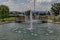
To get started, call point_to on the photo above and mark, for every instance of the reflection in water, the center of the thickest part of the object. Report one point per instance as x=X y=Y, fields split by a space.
x=18 y=31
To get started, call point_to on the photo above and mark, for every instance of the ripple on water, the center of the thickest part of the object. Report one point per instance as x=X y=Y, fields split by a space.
x=24 y=29
x=23 y=39
x=16 y=31
x=21 y=27
x=42 y=29
x=50 y=31
x=32 y=33
x=47 y=34
x=35 y=34
x=19 y=31
x=25 y=32
x=3 y=38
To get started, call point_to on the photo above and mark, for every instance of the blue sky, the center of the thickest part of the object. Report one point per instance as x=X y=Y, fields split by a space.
x=22 y=5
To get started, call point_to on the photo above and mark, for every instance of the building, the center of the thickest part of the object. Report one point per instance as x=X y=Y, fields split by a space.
x=25 y=16
x=19 y=16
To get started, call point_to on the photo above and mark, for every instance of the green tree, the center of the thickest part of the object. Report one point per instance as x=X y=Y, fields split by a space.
x=27 y=12
x=4 y=11
x=55 y=8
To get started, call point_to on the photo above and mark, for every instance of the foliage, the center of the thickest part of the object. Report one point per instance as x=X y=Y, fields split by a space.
x=54 y=18
x=27 y=12
x=4 y=11
x=8 y=19
x=55 y=8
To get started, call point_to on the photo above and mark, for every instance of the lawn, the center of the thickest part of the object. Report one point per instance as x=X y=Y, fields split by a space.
x=54 y=18
x=8 y=19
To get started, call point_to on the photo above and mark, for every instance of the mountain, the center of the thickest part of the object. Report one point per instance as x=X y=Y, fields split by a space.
x=41 y=12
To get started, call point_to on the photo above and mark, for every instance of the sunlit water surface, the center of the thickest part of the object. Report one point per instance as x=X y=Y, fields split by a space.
x=19 y=31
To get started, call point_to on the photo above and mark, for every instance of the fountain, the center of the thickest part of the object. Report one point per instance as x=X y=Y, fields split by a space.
x=31 y=19
x=20 y=31
x=31 y=22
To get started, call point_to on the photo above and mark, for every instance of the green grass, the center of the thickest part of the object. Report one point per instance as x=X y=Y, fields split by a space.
x=56 y=19
x=8 y=19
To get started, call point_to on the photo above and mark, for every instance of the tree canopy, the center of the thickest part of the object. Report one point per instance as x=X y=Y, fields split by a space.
x=55 y=9
x=27 y=12
x=4 y=11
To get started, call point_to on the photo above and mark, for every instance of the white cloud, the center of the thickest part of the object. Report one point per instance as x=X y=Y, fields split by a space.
x=22 y=6
x=43 y=1
x=13 y=6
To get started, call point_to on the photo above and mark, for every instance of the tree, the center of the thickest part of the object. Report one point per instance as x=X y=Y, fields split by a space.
x=55 y=8
x=27 y=12
x=4 y=11
x=49 y=13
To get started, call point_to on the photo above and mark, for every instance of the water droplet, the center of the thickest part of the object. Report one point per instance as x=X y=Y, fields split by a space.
x=19 y=31
x=15 y=28
x=47 y=34
x=50 y=31
x=35 y=34
x=32 y=33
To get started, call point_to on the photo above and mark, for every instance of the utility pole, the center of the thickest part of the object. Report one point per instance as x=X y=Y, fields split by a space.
x=34 y=5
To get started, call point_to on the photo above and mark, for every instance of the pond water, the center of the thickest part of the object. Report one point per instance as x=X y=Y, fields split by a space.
x=18 y=31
